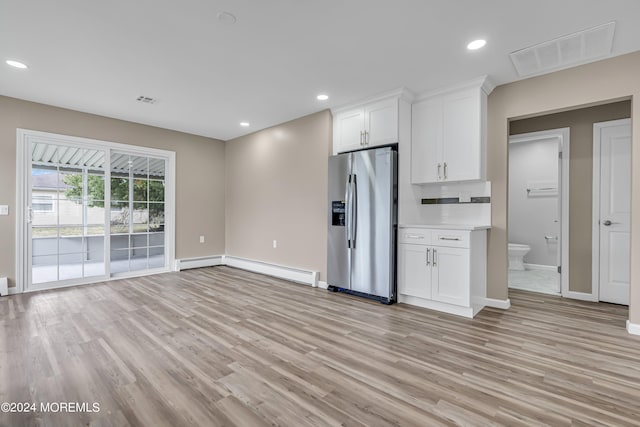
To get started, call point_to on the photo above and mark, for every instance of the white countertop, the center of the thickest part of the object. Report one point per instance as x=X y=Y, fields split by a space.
x=468 y=227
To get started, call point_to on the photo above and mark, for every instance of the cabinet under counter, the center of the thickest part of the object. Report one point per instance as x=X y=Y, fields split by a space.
x=443 y=267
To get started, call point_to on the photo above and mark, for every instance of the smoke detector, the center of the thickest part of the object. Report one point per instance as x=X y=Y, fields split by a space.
x=564 y=52
x=146 y=99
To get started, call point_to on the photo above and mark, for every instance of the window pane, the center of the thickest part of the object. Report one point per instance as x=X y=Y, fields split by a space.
x=119 y=189
x=45 y=245
x=67 y=245
x=140 y=190
x=119 y=219
x=95 y=190
x=156 y=257
x=138 y=259
x=156 y=239
x=139 y=166
x=139 y=241
x=156 y=216
x=70 y=212
x=44 y=269
x=156 y=168
x=119 y=242
x=156 y=191
x=140 y=217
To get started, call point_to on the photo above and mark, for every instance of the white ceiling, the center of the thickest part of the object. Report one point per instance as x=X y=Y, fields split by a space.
x=268 y=67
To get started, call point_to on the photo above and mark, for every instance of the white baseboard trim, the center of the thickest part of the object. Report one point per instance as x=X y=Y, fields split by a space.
x=323 y=285
x=582 y=296
x=283 y=272
x=4 y=287
x=504 y=304
x=436 y=305
x=540 y=267
x=13 y=291
x=210 y=261
x=633 y=328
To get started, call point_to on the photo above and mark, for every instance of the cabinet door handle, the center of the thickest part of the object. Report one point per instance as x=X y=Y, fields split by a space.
x=445 y=170
x=428 y=253
x=361 y=137
x=413 y=236
x=439 y=166
x=366 y=137
x=449 y=238
x=435 y=258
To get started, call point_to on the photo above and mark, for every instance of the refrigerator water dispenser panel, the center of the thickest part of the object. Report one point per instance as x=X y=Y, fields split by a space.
x=337 y=213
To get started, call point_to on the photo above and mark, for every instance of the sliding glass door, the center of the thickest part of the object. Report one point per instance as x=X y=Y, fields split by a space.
x=92 y=211
x=67 y=213
x=137 y=212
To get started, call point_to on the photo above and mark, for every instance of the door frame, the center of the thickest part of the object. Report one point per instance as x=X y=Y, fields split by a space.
x=563 y=135
x=595 y=216
x=24 y=138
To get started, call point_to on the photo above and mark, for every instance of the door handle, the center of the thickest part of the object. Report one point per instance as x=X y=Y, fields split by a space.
x=428 y=253
x=361 y=137
x=609 y=222
x=445 y=170
x=29 y=215
x=366 y=137
x=434 y=258
x=551 y=238
x=347 y=210
x=439 y=166
x=354 y=222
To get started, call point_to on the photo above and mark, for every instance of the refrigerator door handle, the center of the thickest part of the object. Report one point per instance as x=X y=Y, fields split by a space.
x=347 y=210
x=354 y=211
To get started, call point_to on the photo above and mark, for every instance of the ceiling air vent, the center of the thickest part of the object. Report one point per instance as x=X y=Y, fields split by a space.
x=564 y=52
x=146 y=99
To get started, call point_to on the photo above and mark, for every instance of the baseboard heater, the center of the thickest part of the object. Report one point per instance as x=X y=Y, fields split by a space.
x=210 y=261
x=298 y=275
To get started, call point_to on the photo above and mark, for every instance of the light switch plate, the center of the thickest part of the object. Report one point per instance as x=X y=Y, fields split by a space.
x=4 y=209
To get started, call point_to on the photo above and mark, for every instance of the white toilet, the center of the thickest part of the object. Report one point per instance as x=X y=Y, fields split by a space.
x=516 y=255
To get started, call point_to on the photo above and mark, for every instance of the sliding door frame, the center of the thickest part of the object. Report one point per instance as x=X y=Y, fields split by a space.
x=24 y=140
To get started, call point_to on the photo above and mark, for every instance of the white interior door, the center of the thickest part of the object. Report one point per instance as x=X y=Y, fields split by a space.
x=615 y=209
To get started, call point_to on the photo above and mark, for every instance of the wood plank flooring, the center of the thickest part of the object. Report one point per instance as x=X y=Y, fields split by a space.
x=224 y=347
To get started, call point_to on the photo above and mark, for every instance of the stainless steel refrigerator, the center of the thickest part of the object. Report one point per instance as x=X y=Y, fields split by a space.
x=362 y=223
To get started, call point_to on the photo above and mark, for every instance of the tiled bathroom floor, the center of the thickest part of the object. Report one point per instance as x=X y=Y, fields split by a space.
x=544 y=281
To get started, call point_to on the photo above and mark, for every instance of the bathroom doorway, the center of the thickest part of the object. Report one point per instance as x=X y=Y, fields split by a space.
x=538 y=210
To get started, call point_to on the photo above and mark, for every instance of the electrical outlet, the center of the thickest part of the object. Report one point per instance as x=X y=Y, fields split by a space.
x=464 y=198
x=201 y=239
x=275 y=244
x=4 y=209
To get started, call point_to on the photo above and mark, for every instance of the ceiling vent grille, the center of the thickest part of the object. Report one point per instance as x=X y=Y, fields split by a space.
x=563 y=52
x=146 y=99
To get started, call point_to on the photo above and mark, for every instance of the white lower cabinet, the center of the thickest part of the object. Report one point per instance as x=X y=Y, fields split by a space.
x=413 y=272
x=442 y=269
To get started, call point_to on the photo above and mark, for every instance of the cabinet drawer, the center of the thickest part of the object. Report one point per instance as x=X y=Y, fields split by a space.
x=414 y=236
x=451 y=238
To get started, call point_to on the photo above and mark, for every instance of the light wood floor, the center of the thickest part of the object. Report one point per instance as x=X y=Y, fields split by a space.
x=220 y=346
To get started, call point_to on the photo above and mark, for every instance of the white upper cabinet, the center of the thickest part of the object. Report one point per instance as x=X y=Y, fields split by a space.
x=448 y=135
x=367 y=125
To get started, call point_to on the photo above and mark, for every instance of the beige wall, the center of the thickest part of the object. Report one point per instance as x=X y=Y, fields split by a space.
x=596 y=83
x=200 y=170
x=277 y=190
x=580 y=122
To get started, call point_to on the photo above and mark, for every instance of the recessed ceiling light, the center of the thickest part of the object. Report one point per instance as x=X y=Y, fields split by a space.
x=16 y=64
x=322 y=97
x=226 y=17
x=476 y=44
x=245 y=124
